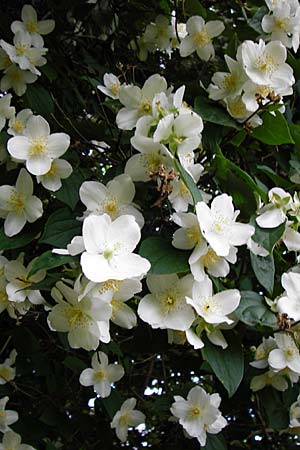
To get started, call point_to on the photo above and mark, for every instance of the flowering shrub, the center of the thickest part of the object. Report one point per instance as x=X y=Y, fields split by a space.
x=149 y=267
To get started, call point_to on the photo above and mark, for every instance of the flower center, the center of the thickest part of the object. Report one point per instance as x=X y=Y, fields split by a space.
x=281 y=23
x=76 y=317
x=52 y=172
x=201 y=38
x=109 y=285
x=110 y=207
x=21 y=49
x=18 y=126
x=266 y=64
x=210 y=258
x=193 y=234
x=32 y=27
x=290 y=352
x=237 y=109
x=230 y=81
x=100 y=375
x=146 y=107
x=195 y=411
x=4 y=373
x=171 y=300
x=108 y=254
x=16 y=203
x=153 y=160
x=15 y=75
x=3 y=296
x=116 y=306
x=115 y=88
x=124 y=420
x=38 y=146
x=209 y=305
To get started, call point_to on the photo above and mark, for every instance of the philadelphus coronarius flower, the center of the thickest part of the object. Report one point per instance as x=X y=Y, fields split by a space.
x=18 y=205
x=102 y=374
x=17 y=79
x=270 y=378
x=166 y=305
x=109 y=246
x=114 y=199
x=32 y=25
x=274 y=213
x=214 y=308
x=230 y=83
x=38 y=147
x=262 y=353
x=127 y=417
x=7 y=372
x=219 y=227
x=199 y=414
x=85 y=319
x=199 y=38
x=59 y=170
x=20 y=281
x=111 y=86
x=17 y=124
x=286 y=355
x=289 y=303
x=12 y=441
x=6 y=111
x=295 y=414
x=138 y=102
x=7 y=416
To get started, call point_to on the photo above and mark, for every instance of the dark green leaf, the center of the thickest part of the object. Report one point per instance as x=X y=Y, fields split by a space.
x=49 y=260
x=194 y=7
x=215 y=442
x=60 y=228
x=254 y=311
x=255 y=21
x=39 y=100
x=267 y=237
x=164 y=258
x=69 y=192
x=264 y=269
x=212 y=112
x=274 y=130
x=189 y=182
x=74 y=363
x=113 y=403
x=47 y=283
x=228 y=364
x=277 y=414
x=277 y=179
x=18 y=241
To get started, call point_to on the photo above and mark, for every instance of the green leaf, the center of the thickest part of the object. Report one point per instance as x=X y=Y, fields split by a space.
x=228 y=364
x=69 y=192
x=264 y=269
x=254 y=311
x=211 y=112
x=47 y=283
x=274 y=130
x=194 y=7
x=60 y=228
x=26 y=237
x=189 y=182
x=74 y=363
x=113 y=403
x=275 y=410
x=215 y=442
x=164 y=258
x=39 y=100
x=49 y=260
x=267 y=237
x=277 y=179
x=255 y=21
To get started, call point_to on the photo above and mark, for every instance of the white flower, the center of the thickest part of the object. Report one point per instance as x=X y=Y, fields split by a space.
x=189 y=235
x=291 y=238
x=138 y=102
x=295 y=414
x=12 y=441
x=38 y=148
x=166 y=305
x=237 y=108
x=181 y=196
x=6 y=111
x=31 y=25
x=269 y=378
x=19 y=282
x=262 y=353
x=17 y=79
x=111 y=86
x=265 y=63
x=7 y=372
x=286 y=355
x=117 y=292
x=114 y=199
x=85 y=319
x=230 y=83
x=127 y=417
x=282 y=24
x=109 y=246
x=152 y=154
x=199 y=414
x=101 y=375
x=7 y=416
x=204 y=257
x=18 y=205
x=158 y=35
x=274 y=213
x=219 y=227
x=59 y=170
x=289 y=303
x=17 y=124
x=214 y=308
x=199 y=38
x=23 y=54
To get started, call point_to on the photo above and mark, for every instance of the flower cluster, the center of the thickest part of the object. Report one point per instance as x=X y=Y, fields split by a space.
x=258 y=77
x=20 y=60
